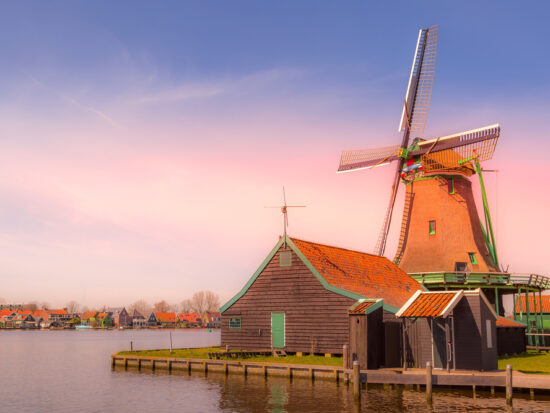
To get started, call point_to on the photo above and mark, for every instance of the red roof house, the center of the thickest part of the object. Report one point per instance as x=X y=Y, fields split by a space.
x=299 y=297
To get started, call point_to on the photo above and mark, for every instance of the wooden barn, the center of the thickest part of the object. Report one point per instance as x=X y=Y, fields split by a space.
x=300 y=297
x=452 y=329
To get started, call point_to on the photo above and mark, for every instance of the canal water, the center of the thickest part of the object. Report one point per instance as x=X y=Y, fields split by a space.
x=70 y=371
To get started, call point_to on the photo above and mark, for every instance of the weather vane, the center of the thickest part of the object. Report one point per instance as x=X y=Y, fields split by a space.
x=284 y=208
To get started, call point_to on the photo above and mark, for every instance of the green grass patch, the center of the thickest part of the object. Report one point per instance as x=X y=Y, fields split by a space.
x=202 y=353
x=531 y=362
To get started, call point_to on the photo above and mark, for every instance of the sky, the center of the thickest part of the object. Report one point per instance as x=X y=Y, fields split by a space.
x=140 y=141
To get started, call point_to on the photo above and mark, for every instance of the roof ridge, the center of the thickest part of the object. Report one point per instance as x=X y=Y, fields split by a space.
x=338 y=248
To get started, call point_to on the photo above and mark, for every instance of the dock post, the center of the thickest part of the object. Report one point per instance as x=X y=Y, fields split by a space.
x=289 y=372
x=226 y=368
x=188 y=366
x=205 y=367
x=345 y=356
x=356 y=381
x=131 y=346
x=126 y=363
x=170 y=365
x=113 y=362
x=532 y=393
x=153 y=366
x=429 y=381
x=264 y=368
x=509 y=383
x=139 y=364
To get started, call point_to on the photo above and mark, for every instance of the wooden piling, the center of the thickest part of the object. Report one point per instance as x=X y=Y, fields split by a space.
x=153 y=365
x=126 y=363
x=131 y=346
x=139 y=364
x=113 y=362
x=429 y=381
x=264 y=368
x=345 y=356
x=532 y=393
x=205 y=367
x=356 y=381
x=226 y=368
x=170 y=366
x=188 y=366
x=509 y=383
x=289 y=372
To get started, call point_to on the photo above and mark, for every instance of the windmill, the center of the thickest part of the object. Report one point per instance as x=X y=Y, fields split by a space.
x=284 y=212
x=427 y=167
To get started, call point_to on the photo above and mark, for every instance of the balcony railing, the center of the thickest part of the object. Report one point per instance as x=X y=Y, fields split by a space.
x=487 y=278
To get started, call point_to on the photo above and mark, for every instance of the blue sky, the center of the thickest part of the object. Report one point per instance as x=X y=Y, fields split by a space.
x=140 y=139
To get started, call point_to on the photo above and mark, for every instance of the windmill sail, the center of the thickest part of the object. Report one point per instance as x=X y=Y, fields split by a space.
x=415 y=111
x=419 y=90
x=367 y=158
x=446 y=152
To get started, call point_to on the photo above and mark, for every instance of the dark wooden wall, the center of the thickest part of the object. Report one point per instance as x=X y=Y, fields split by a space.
x=489 y=355
x=358 y=347
x=510 y=340
x=375 y=339
x=366 y=335
x=392 y=350
x=316 y=319
x=419 y=342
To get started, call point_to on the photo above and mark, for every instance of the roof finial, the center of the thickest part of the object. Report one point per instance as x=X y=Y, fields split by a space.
x=285 y=214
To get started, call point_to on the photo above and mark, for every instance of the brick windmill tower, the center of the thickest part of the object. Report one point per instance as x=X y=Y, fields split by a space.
x=441 y=230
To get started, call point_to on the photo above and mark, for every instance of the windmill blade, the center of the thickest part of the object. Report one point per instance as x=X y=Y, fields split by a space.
x=419 y=89
x=367 y=158
x=446 y=152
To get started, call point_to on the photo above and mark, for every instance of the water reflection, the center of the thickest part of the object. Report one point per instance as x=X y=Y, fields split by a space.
x=70 y=372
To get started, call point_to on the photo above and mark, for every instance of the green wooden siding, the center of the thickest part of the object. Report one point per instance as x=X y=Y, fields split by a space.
x=278 y=330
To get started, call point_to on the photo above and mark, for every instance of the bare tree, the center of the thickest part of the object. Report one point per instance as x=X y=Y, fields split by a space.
x=142 y=307
x=186 y=306
x=199 y=302
x=72 y=307
x=162 y=307
x=44 y=305
x=212 y=301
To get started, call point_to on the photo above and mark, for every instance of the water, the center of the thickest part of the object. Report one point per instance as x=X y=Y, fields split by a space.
x=69 y=371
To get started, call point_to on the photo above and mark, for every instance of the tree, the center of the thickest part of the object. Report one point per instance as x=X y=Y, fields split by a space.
x=72 y=307
x=162 y=307
x=212 y=301
x=142 y=307
x=186 y=306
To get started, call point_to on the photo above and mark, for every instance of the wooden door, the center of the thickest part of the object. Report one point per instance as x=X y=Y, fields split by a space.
x=278 y=330
x=440 y=344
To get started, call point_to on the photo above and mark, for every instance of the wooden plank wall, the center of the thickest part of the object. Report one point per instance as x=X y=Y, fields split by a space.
x=510 y=340
x=375 y=339
x=489 y=356
x=316 y=319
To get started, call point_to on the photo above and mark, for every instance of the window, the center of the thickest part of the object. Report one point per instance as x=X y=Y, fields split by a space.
x=451 y=185
x=461 y=267
x=235 y=323
x=432 y=227
x=489 y=327
x=285 y=259
x=472 y=256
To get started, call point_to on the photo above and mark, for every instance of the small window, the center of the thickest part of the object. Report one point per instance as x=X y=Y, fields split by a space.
x=432 y=227
x=451 y=185
x=473 y=259
x=285 y=259
x=461 y=267
x=489 y=326
x=235 y=323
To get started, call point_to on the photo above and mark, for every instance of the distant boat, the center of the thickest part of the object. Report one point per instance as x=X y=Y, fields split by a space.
x=83 y=327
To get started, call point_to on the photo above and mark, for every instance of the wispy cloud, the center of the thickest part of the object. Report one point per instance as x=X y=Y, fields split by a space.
x=225 y=86
x=76 y=103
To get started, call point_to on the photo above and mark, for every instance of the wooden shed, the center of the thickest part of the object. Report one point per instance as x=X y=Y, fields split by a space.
x=368 y=349
x=298 y=299
x=452 y=329
x=511 y=338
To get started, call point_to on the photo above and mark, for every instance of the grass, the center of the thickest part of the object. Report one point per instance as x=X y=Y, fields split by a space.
x=531 y=362
x=202 y=353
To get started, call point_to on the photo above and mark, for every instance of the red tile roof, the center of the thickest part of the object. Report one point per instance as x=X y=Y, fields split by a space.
x=360 y=309
x=365 y=274
x=88 y=314
x=166 y=317
x=506 y=322
x=532 y=302
x=189 y=317
x=429 y=304
x=6 y=312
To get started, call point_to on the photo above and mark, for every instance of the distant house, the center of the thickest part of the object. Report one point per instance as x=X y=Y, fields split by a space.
x=190 y=319
x=165 y=319
x=89 y=318
x=21 y=320
x=212 y=319
x=104 y=319
x=534 y=307
x=120 y=316
x=138 y=320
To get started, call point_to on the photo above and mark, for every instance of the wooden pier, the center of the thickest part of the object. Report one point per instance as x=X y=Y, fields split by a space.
x=506 y=380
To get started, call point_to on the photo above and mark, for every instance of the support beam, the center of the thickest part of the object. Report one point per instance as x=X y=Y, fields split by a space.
x=542 y=319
